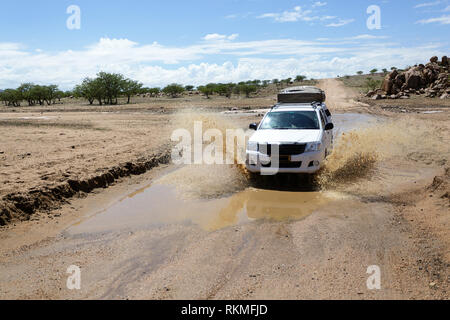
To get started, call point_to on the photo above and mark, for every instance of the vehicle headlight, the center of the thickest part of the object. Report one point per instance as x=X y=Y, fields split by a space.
x=252 y=146
x=313 y=146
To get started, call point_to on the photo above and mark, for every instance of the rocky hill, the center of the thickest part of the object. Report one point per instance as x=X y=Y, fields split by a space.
x=430 y=80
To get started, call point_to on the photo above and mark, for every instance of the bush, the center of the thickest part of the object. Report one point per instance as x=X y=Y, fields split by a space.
x=373 y=84
x=173 y=90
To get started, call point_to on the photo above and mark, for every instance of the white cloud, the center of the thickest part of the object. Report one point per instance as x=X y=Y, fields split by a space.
x=297 y=14
x=327 y=18
x=220 y=37
x=340 y=23
x=231 y=16
x=367 y=37
x=319 y=4
x=427 y=4
x=300 y=14
x=156 y=65
x=442 y=20
x=446 y=9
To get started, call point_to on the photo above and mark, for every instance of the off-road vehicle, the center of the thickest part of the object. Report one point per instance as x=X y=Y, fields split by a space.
x=295 y=136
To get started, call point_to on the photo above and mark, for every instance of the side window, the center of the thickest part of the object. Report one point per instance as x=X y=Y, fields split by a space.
x=322 y=120
x=328 y=113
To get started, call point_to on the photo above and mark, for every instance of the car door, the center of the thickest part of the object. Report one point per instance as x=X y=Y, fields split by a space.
x=328 y=115
x=328 y=135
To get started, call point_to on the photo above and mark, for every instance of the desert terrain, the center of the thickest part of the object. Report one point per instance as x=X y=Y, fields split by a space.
x=95 y=187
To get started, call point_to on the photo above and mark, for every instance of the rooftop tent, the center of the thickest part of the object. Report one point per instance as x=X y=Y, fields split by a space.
x=301 y=95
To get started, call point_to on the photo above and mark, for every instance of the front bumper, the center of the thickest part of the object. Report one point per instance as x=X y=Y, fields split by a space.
x=308 y=162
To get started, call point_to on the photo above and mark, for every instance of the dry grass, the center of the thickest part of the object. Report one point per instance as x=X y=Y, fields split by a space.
x=44 y=124
x=359 y=82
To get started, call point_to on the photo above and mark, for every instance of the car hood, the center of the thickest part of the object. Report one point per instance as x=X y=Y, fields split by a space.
x=286 y=136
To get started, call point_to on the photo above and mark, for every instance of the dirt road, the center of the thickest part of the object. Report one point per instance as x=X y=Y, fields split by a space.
x=207 y=232
x=339 y=97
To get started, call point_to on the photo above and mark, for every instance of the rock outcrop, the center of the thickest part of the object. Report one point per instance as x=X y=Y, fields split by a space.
x=431 y=80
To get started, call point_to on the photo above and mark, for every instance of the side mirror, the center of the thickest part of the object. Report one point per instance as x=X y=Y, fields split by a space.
x=329 y=126
x=253 y=126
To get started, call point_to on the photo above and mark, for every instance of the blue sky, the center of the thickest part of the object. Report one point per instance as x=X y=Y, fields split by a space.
x=196 y=42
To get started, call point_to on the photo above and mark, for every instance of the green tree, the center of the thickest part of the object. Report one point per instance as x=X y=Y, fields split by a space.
x=12 y=97
x=50 y=93
x=38 y=93
x=27 y=94
x=300 y=78
x=206 y=90
x=154 y=92
x=189 y=88
x=360 y=73
x=223 y=89
x=91 y=89
x=130 y=88
x=3 y=97
x=111 y=83
x=247 y=89
x=373 y=71
x=173 y=90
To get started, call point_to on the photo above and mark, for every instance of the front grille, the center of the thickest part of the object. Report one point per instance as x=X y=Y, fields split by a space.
x=284 y=149
x=285 y=165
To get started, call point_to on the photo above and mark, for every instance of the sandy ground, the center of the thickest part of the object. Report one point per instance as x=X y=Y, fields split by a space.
x=394 y=216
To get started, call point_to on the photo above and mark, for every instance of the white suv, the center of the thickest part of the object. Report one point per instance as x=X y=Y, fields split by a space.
x=291 y=138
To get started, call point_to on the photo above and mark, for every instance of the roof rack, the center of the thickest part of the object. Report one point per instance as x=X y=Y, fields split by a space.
x=305 y=94
x=314 y=105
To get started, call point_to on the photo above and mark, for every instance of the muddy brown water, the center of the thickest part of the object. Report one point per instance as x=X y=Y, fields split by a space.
x=161 y=204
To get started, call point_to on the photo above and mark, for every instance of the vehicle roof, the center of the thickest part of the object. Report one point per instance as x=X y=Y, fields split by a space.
x=295 y=106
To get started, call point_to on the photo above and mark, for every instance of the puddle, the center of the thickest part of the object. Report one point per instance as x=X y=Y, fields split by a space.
x=162 y=203
x=37 y=118
x=350 y=121
x=432 y=112
x=159 y=204
x=246 y=112
x=31 y=118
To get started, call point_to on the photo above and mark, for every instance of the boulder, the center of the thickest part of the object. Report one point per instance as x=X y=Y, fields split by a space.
x=428 y=76
x=387 y=84
x=413 y=78
x=376 y=97
x=370 y=94
x=442 y=76
x=393 y=74
x=400 y=80
x=444 y=61
x=434 y=59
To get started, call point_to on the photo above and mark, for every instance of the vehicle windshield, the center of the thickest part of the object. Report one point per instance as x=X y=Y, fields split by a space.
x=297 y=120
